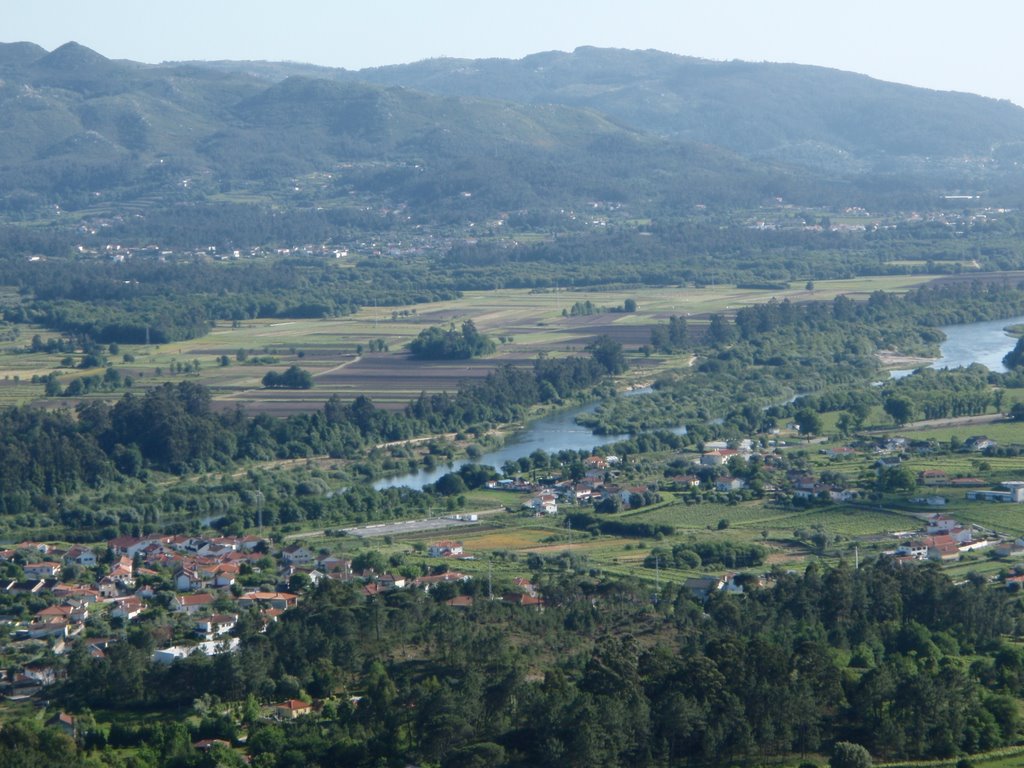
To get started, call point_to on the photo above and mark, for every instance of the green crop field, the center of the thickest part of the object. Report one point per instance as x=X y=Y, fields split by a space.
x=531 y=323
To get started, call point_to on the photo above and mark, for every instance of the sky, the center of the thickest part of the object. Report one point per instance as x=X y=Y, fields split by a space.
x=937 y=44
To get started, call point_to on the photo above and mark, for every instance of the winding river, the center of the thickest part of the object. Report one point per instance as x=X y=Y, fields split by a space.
x=554 y=433
x=985 y=342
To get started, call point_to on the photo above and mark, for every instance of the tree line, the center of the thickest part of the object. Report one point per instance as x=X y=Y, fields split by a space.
x=172 y=428
x=898 y=660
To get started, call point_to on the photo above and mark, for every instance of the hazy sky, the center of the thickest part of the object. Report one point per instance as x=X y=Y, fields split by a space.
x=931 y=43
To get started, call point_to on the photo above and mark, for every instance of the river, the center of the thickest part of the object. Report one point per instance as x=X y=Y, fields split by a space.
x=985 y=342
x=554 y=433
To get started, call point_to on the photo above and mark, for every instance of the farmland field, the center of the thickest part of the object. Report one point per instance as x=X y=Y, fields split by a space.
x=530 y=323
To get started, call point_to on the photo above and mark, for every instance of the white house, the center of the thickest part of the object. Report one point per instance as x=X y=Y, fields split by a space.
x=445 y=549
x=191 y=603
x=216 y=625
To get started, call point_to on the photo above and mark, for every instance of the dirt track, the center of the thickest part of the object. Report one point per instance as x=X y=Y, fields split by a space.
x=958 y=421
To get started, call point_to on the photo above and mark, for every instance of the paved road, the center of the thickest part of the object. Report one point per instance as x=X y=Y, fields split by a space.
x=404 y=526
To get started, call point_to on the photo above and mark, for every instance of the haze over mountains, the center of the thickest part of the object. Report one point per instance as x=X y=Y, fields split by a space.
x=646 y=128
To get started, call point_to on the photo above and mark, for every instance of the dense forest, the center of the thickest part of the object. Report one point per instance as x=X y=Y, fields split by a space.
x=171 y=428
x=898 y=660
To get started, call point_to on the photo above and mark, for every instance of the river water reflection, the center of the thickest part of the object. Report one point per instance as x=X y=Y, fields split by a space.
x=985 y=342
x=558 y=432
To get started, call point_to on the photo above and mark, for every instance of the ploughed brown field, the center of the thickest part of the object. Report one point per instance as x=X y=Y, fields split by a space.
x=529 y=325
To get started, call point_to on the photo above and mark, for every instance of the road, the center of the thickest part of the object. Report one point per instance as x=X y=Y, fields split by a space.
x=401 y=527
x=955 y=421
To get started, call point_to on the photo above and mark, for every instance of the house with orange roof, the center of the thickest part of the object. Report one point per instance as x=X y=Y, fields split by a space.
x=192 y=603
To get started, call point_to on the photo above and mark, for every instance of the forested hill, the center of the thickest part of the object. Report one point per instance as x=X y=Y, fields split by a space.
x=450 y=139
x=796 y=112
x=81 y=130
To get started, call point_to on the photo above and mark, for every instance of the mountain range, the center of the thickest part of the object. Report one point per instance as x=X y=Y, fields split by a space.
x=454 y=137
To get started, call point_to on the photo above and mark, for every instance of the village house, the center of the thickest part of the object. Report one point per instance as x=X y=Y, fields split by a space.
x=1009 y=549
x=805 y=482
x=979 y=443
x=172 y=653
x=523 y=600
x=1015 y=582
x=448 y=577
x=297 y=554
x=932 y=477
x=931 y=501
x=718 y=457
x=445 y=549
x=187 y=579
x=280 y=600
x=56 y=614
x=941 y=524
x=43 y=570
x=216 y=625
x=127 y=608
x=82 y=556
x=823 y=491
x=543 y=504
x=190 y=604
x=47 y=629
x=390 y=581
x=29 y=586
x=76 y=593
x=64 y=722
x=291 y=709
x=961 y=535
x=915 y=548
x=726 y=484
x=335 y=566
x=701 y=587
x=626 y=494
x=129 y=546
x=942 y=548
x=222 y=574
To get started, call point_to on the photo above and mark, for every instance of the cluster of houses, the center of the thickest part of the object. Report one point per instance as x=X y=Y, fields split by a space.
x=124 y=590
x=593 y=488
x=943 y=539
x=1009 y=491
x=204 y=571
